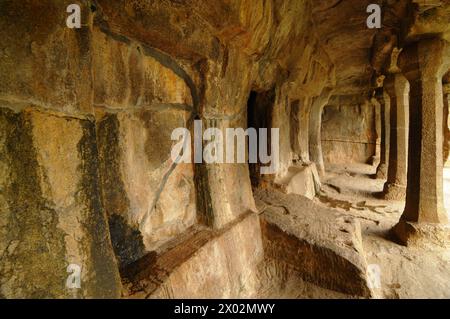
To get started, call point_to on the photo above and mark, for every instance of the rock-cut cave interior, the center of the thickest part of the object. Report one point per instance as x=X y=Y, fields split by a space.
x=341 y=188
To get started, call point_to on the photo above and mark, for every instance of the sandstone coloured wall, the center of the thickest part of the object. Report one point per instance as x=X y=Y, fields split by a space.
x=85 y=124
x=349 y=133
x=86 y=117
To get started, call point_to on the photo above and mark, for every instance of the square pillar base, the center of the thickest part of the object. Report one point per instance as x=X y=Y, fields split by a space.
x=381 y=171
x=421 y=234
x=394 y=191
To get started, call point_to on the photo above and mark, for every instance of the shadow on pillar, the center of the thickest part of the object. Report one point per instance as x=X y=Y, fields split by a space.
x=384 y=103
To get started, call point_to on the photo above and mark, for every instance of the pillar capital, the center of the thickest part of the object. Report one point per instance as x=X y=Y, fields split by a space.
x=434 y=57
x=427 y=59
x=393 y=67
x=389 y=85
x=379 y=97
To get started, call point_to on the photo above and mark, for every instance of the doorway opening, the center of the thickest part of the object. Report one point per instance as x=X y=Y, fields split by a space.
x=259 y=115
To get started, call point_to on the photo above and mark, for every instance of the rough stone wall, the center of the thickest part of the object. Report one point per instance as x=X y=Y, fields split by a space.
x=89 y=112
x=138 y=103
x=349 y=133
x=86 y=117
x=203 y=265
x=52 y=213
x=308 y=80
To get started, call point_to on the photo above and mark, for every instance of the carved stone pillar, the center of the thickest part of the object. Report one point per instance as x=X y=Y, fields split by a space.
x=446 y=125
x=315 y=126
x=397 y=87
x=424 y=64
x=383 y=100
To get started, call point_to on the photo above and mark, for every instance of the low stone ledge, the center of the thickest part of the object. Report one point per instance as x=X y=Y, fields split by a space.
x=201 y=263
x=324 y=247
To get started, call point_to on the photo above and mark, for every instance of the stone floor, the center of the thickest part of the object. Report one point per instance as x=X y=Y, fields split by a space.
x=405 y=272
x=327 y=244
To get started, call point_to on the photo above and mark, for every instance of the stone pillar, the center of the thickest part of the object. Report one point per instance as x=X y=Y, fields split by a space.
x=385 y=104
x=315 y=126
x=378 y=120
x=424 y=63
x=446 y=126
x=397 y=87
x=304 y=129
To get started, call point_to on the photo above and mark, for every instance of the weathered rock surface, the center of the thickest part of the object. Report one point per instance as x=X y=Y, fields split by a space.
x=42 y=61
x=304 y=181
x=322 y=246
x=86 y=117
x=349 y=133
x=51 y=210
x=142 y=187
x=134 y=78
x=201 y=264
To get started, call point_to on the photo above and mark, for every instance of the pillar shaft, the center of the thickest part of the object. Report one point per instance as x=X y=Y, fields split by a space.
x=315 y=141
x=385 y=104
x=446 y=128
x=397 y=87
x=423 y=65
x=377 y=124
x=304 y=130
x=384 y=148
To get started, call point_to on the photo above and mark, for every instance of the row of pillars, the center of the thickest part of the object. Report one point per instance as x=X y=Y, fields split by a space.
x=412 y=153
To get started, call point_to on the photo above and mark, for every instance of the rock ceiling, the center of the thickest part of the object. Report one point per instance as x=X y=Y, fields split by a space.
x=359 y=53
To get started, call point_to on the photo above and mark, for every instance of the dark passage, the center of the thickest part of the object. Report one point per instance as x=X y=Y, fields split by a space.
x=259 y=115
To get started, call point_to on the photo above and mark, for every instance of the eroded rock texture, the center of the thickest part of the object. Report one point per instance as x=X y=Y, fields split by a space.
x=203 y=264
x=309 y=242
x=86 y=121
x=52 y=213
x=349 y=133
